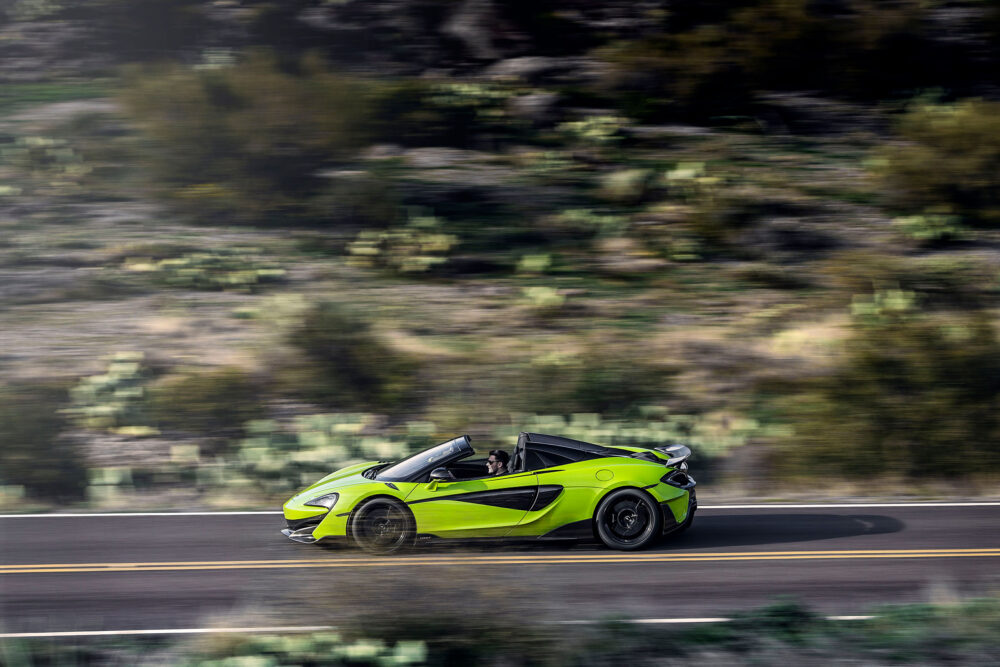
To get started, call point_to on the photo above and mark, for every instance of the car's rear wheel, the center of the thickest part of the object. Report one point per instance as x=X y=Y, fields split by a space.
x=628 y=519
x=383 y=526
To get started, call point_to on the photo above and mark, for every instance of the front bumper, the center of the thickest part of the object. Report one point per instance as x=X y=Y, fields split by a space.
x=303 y=535
x=301 y=530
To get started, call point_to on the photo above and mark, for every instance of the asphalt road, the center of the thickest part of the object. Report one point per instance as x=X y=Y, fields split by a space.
x=86 y=573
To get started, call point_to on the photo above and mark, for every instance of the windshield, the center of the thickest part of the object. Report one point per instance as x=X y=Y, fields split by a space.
x=407 y=468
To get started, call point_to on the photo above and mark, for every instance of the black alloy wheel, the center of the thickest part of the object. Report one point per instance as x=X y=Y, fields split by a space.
x=628 y=519
x=382 y=526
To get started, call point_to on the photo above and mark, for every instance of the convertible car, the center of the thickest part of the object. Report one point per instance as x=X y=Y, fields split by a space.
x=555 y=488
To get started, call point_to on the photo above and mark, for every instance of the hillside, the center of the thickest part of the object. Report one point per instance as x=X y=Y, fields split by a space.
x=242 y=243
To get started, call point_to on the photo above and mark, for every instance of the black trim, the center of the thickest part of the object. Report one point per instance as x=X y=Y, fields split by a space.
x=392 y=486
x=577 y=530
x=528 y=474
x=520 y=474
x=669 y=522
x=592 y=450
x=298 y=524
x=344 y=514
x=518 y=498
x=679 y=479
x=546 y=494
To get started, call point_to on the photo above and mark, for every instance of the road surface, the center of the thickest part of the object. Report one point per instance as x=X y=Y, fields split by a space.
x=86 y=573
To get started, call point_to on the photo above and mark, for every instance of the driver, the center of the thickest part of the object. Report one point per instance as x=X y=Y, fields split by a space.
x=496 y=464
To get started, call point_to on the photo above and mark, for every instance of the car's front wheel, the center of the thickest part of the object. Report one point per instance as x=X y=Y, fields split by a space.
x=628 y=519
x=383 y=526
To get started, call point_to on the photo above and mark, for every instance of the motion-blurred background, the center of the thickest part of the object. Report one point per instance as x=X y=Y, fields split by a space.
x=245 y=243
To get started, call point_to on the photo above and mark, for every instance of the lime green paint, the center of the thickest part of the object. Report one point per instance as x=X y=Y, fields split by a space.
x=584 y=484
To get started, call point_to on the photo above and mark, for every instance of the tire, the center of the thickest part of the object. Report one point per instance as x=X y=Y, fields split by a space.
x=628 y=519
x=382 y=526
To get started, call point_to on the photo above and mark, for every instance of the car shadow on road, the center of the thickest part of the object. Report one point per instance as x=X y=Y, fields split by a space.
x=710 y=531
x=715 y=530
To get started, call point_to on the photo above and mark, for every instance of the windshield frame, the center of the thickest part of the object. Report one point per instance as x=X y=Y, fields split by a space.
x=413 y=467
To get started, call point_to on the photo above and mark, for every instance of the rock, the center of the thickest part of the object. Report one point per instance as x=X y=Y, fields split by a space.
x=526 y=68
x=627 y=186
x=536 y=108
x=382 y=152
x=543 y=70
x=623 y=256
x=473 y=25
x=795 y=113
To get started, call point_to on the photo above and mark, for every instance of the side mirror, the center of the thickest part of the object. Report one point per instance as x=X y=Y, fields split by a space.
x=441 y=475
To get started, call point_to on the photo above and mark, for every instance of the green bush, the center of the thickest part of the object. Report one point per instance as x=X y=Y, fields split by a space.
x=940 y=282
x=141 y=30
x=343 y=363
x=254 y=141
x=114 y=400
x=711 y=60
x=949 y=163
x=214 y=402
x=417 y=247
x=915 y=395
x=713 y=208
x=222 y=269
x=930 y=229
x=244 y=143
x=608 y=382
x=709 y=435
x=32 y=454
x=317 y=648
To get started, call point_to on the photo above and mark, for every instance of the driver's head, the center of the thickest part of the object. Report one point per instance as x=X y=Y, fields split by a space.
x=497 y=461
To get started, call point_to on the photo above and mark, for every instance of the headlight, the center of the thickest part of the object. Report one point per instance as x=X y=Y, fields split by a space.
x=327 y=501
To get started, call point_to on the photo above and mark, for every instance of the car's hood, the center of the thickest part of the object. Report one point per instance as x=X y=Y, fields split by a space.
x=344 y=477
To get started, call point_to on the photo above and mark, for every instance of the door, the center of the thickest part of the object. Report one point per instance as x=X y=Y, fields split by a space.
x=486 y=507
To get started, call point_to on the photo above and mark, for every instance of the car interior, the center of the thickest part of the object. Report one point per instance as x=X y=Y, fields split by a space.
x=526 y=457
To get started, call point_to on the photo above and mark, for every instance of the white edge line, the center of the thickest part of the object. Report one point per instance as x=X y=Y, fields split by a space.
x=842 y=505
x=320 y=628
x=87 y=515
x=178 y=631
x=53 y=515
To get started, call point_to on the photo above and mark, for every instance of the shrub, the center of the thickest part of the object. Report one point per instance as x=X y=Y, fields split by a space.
x=715 y=208
x=915 y=396
x=930 y=229
x=595 y=130
x=32 y=454
x=114 y=399
x=215 y=402
x=710 y=61
x=248 y=142
x=244 y=143
x=418 y=247
x=608 y=382
x=951 y=161
x=343 y=363
x=940 y=282
x=142 y=31
x=222 y=269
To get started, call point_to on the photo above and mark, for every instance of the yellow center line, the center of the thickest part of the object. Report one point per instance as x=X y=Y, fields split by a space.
x=522 y=557
x=515 y=559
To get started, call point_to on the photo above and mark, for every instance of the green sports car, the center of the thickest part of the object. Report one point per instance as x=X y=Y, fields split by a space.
x=554 y=488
